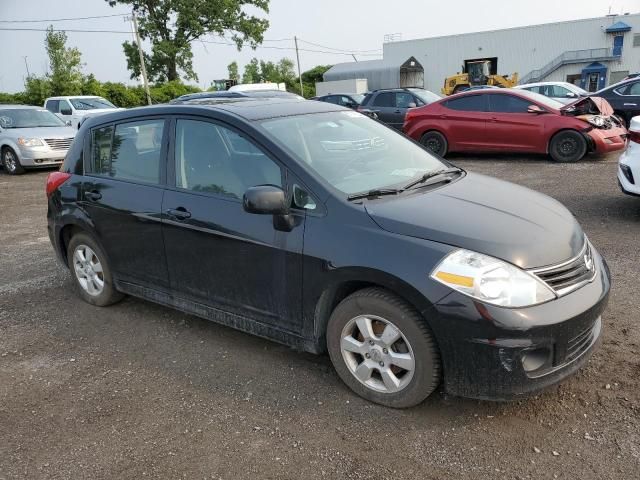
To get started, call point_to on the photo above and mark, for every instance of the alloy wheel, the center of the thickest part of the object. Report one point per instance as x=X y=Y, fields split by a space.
x=88 y=270
x=9 y=161
x=377 y=353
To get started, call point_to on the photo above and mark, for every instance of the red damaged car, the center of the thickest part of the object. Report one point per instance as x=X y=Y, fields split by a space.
x=508 y=120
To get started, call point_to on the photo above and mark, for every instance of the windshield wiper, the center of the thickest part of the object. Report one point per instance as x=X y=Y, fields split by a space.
x=376 y=192
x=430 y=175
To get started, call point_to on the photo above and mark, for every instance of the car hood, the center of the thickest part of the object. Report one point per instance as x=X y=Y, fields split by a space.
x=486 y=215
x=40 y=132
x=584 y=105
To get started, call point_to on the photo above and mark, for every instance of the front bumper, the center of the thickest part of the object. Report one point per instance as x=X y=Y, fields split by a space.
x=496 y=353
x=608 y=140
x=41 y=156
x=629 y=170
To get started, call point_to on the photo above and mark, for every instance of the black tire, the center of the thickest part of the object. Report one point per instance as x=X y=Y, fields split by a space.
x=10 y=162
x=567 y=146
x=379 y=303
x=108 y=294
x=435 y=142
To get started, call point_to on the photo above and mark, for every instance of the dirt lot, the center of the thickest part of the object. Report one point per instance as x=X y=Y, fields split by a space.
x=137 y=390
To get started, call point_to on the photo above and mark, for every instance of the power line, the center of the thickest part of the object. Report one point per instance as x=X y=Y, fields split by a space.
x=62 y=19
x=273 y=47
x=340 y=49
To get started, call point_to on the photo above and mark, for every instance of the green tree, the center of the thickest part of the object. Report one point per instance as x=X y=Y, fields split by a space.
x=315 y=74
x=232 y=68
x=252 y=72
x=36 y=89
x=171 y=26
x=65 y=65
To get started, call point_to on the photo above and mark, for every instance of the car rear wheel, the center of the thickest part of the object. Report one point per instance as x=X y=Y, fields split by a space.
x=10 y=162
x=567 y=146
x=382 y=349
x=436 y=142
x=90 y=271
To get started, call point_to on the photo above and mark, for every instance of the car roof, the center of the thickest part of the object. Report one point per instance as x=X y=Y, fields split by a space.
x=249 y=109
x=64 y=97
x=13 y=107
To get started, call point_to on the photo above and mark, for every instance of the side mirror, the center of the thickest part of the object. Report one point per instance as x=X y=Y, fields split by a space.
x=65 y=111
x=412 y=105
x=535 y=109
x=265 y=200
x=571 y=95
x=351 y=105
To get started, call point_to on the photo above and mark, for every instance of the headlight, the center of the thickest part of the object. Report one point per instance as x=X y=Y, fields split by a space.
x=30 y=142
x=490 y=280
x=596 y=121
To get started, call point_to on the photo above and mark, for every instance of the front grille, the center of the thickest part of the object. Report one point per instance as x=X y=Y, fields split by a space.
x=59 y=143
x=578 y=344
x=570 y=275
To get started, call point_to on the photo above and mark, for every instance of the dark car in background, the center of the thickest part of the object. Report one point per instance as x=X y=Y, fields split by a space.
x=349 y=100
x=314 y=226
x=624 y=97
x=391 y=105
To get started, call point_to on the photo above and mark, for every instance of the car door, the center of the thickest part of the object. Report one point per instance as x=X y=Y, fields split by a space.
x=464 y=119
x=125 y=171
x=625 y=100
x=404 y=101
x=511 y=127
x=384 y=104
x=218 y=254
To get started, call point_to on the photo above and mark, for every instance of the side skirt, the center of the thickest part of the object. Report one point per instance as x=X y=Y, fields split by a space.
x=232 y=320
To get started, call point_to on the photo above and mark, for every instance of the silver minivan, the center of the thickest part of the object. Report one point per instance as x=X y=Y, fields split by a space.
x=32 y=137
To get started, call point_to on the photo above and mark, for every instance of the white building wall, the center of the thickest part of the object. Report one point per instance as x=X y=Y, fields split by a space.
x=521 y=49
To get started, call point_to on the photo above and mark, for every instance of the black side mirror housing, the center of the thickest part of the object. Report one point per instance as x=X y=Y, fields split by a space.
x=65 y=111
x=265 y=200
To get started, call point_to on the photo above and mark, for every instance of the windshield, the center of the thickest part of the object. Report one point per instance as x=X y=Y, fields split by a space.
x=358 y=97
x=577 y=89
x=93 y=103
x=546 y=101
x=350 y=151
x=425 y=95
x=28 y=118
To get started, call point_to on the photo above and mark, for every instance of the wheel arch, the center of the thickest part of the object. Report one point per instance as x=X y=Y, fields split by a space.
x=72 y=228
x=349 y=282
x=587 y=138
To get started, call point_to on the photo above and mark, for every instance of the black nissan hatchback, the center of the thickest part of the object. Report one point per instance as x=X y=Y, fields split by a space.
x=317 y=227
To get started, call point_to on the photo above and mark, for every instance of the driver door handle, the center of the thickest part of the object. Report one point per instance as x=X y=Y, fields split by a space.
x=179 y=213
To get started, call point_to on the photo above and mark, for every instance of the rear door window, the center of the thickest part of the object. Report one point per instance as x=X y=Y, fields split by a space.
x=468 y=103
x=129 y=151
x=384 y=99
x=508 y=104
x=403 y=99
x=52 y=106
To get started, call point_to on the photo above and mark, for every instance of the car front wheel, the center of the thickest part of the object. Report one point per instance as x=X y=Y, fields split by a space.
x=567 y=146
x=382 y=349
x=11 y=163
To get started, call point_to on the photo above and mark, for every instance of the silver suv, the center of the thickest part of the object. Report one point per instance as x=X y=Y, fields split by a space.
x=32 y=137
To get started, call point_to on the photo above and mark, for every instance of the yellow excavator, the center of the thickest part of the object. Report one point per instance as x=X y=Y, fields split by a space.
x=476 y=73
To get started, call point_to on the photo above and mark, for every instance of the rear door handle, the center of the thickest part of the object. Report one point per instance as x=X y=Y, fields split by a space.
x=630 y=104
x=93 y=195
x=179 y=213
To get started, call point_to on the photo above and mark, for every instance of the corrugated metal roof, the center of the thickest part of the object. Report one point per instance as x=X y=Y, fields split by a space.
x=618 y=27
x=366 y=66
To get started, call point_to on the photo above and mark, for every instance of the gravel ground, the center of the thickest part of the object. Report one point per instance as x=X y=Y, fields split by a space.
x=137 y=390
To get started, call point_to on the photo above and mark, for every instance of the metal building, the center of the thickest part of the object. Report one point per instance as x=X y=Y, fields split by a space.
x=591 y=53
x=406 y=72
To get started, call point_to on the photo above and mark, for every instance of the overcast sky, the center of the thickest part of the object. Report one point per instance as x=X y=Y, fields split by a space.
x=353 y=25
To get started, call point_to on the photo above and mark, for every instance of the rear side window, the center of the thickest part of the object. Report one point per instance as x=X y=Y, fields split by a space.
x=469 y=103
x=508 y=104
x=404 y=99
x=52 y=106
x=128 y=151
x=385 y=99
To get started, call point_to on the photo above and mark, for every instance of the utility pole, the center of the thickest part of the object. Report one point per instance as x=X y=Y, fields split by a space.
x=143 y=68
x=27 y=66
x=295 y=39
